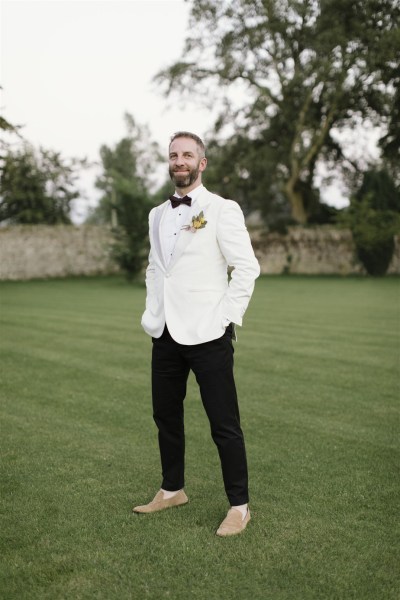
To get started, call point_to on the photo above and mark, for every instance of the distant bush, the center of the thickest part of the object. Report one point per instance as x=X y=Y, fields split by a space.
x=374 y=219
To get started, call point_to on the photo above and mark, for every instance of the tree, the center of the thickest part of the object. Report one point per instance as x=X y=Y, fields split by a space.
x=37 y=186
x=126 y=202
x=374 y=219
x=390 y=143
x=8 y=127
x=302 y=68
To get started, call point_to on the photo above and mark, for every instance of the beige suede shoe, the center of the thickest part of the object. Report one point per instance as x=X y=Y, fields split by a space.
x=233 y=523
x=158 y=502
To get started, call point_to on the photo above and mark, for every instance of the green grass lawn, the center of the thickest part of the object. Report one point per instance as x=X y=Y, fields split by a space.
x=317 y=370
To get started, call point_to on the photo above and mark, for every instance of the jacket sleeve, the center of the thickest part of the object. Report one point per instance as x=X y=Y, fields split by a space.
x=234 y=242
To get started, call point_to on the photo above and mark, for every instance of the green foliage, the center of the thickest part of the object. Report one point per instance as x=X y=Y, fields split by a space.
x=131 y=234
x=163 y=192
x=233 y=171
x=390 y=142
x=8 y=127
x=126 y=177
x=301 y=68
x=374 y=219
x=37 y=186
x=384 y=194
x=373 y=236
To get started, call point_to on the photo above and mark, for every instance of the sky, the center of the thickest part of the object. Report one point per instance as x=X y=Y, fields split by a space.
x=70 y=69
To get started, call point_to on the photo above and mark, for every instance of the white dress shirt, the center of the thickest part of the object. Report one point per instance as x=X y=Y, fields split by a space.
x=173 y=221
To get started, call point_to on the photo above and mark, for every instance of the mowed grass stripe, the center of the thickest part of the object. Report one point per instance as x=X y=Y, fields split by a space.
x=316 y=368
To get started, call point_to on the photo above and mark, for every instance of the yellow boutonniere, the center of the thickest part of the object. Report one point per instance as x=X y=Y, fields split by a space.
x=198 y=222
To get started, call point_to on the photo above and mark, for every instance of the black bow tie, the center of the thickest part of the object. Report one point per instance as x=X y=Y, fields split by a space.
x=177 y=201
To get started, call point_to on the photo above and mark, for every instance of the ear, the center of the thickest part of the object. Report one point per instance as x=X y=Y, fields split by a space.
x=202 y=164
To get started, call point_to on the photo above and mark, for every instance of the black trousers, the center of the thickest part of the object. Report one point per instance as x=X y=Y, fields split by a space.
x=212 y=364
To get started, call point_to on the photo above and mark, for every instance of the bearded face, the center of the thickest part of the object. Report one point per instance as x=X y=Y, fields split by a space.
x=184 y=179
x=186 y=163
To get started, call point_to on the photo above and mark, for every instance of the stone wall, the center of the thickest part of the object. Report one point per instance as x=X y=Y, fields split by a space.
x=40 y=251
x=323 y=250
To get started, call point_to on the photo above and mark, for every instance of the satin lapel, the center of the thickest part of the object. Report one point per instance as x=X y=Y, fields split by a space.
x=156 y=233
x=185 y=237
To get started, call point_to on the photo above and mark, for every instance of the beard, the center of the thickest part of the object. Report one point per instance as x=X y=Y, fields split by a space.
x=185 y=180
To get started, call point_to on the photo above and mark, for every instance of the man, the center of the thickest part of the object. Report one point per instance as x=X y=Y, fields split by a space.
x=190 y=312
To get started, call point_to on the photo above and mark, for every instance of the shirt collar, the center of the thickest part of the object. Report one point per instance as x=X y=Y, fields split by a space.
x=193 y=194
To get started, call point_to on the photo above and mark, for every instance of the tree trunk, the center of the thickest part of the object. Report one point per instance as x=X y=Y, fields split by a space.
x=296 y=202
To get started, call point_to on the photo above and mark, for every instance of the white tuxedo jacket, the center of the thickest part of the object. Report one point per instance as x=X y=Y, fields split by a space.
x=191 y=294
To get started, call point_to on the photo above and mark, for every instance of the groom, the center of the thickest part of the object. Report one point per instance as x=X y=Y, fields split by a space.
x=191 y=309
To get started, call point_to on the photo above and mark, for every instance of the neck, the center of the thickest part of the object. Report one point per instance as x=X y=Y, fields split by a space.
x=184 y=191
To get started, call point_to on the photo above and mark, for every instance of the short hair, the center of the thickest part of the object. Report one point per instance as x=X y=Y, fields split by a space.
x=193 y=136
